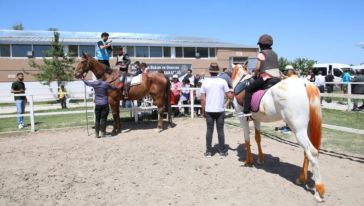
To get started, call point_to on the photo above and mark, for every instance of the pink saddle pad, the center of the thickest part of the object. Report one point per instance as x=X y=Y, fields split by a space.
x=256 y=98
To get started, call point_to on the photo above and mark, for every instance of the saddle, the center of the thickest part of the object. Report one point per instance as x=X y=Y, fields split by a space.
x=258 y=95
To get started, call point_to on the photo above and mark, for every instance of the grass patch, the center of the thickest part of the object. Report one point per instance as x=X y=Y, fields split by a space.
x=343 y=141
x=343 y=118
x=55 y=121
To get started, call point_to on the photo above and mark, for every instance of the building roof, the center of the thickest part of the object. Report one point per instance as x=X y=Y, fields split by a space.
x=125 y=39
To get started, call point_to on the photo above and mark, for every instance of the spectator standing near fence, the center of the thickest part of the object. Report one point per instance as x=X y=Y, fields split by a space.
x=213 y=91
x=176 y=92
x=185 y=94
x=197 y=95
x=190 y=77
x=18 y=87
x=62 y=96
x=101 y=104
x=320 y=83
x=344 y=86
x=329 y=87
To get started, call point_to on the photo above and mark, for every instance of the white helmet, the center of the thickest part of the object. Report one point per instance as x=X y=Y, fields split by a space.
x=175 y=76
x=289 y=67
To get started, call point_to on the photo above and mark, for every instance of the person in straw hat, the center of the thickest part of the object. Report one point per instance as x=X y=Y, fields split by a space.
x=213 y=91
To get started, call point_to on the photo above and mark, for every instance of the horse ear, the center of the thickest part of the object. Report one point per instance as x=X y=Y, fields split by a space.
x=84 y=55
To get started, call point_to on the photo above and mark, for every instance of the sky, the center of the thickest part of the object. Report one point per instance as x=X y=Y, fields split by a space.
x=322 y=30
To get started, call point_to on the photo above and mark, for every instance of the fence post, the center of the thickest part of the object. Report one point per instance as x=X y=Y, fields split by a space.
x=191 y=103
x=31 y=105
x=135 y=110
x=349 y=93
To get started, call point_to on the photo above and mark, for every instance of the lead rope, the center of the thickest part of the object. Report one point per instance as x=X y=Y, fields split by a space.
x=88 y=133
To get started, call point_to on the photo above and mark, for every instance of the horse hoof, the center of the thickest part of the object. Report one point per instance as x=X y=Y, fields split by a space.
x=158 y=130
x=248 y=164
x=318 y=198
x=260 y=162
x=298 y=181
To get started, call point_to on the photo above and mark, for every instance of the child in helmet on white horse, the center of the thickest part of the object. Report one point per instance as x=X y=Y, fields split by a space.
x=266 y=68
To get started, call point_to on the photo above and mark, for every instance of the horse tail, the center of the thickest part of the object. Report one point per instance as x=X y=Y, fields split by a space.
x=315 y=122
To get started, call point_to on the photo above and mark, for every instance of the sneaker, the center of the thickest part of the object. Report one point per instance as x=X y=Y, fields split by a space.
x=20 y=126
x=223 y=154
x=285 y=130
x=208 y=154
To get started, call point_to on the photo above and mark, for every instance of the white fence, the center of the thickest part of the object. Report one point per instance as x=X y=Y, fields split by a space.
x=134 y=110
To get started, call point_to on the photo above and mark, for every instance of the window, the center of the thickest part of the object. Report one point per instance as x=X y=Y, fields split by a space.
x=212 y=52
x=90 y=50
x=115 y=50
x=130 y=51
x=337 y=72
x=189 y=52
x=4 y=50
x=41 y=50
x=203 y=52
x=20 y=50
x=167 y=51
x=155 y=51
x=142 y=51
x=179 y=52
x=73 y=50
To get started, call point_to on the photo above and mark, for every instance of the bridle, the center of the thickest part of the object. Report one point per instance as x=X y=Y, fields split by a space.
x=87 y=67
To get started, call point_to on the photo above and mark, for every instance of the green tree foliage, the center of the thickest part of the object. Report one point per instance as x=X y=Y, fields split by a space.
x=18 y=26
x=58 y=67
x=303 y=64
x=283 y=62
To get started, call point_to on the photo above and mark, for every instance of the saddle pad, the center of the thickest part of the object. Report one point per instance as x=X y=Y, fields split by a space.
x=256 y=98
x=136 y=80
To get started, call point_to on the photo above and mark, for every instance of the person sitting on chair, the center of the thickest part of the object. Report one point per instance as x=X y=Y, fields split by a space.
x=265 y=69
x=123 y=61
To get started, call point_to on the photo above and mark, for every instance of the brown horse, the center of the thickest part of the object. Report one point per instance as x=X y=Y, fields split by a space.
x=153 y=83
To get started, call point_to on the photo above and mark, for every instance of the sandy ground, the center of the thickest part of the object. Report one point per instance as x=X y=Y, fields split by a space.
x=142 y=167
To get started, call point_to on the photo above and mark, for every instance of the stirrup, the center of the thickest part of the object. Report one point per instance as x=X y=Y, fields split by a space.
x=241 y=114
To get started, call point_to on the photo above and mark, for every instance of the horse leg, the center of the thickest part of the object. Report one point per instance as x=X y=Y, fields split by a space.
x=258 y=140
x=302 y=178
x=249 y=157
x=160 y=119
x=116 y=117
x=312 y=155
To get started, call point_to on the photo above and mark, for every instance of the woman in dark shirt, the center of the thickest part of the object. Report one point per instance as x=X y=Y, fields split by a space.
x=101 y=104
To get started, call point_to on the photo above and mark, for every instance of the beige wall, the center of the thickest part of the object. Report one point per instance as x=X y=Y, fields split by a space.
x=10 y=66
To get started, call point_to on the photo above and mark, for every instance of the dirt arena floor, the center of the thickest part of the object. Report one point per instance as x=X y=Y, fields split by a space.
x=143 y=167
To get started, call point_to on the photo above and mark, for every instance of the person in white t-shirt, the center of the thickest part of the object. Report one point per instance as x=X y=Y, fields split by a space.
x=213 y=91
x=320 y=83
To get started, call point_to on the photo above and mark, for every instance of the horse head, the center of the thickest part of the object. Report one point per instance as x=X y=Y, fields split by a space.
x=82 y=68
x=240 y=72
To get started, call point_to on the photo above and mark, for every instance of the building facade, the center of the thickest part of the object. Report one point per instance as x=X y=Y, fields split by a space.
x=173 y=54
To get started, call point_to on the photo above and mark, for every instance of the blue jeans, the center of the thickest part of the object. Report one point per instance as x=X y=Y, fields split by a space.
x=20 y=109
x=211 y=118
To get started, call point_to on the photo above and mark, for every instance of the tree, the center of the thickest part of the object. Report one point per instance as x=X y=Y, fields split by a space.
x=303 y=64
x=18 y=26
x=58 y=68
x=283 y=62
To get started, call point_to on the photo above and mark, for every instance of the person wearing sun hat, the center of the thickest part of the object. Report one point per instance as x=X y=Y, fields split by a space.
x=289 y=71
x=213 y=91
x=176 y=87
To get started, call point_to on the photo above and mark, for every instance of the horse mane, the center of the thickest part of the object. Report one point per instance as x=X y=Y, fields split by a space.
x=235 y=72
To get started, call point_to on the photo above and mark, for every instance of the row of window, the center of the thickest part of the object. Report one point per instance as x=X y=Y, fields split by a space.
x=21 y=50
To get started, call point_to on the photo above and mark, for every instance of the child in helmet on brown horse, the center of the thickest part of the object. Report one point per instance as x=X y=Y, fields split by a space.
x=266 y=68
